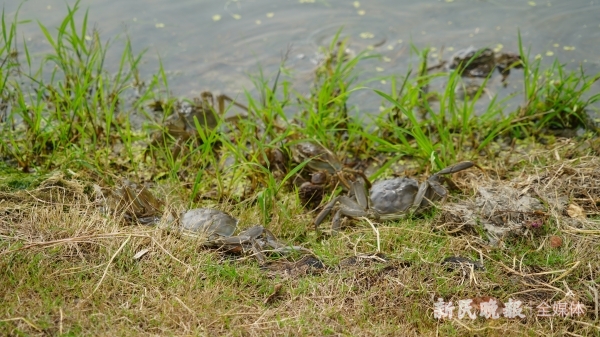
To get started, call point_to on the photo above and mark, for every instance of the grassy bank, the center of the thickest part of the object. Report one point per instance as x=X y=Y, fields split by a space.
x=73 y=261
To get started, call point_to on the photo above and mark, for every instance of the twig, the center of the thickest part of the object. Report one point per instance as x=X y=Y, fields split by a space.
x=563 y=275
x=413 y=230
x=109 y=263
x=171 y=255
x=527 y=276
x=60 y=325
x=581 y=231
x=73 y=239
x=584 y=323
x=87 y=238
x=376 y=234
x=22 y=319
x=185 y=306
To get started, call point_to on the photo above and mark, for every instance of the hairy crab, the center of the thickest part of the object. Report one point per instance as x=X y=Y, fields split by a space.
x=312 y=192
x=215 y=229
x=473 y=62
x=324 y=160
x=181 y=125
x=389 y=199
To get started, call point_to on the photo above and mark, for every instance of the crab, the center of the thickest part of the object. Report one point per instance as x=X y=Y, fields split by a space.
x=389 y=199
x=323 y=160
x=207 y=224
x=215 y=229
x=181 y=125
x=138 y=203
x=473 y=62
x=312 y=192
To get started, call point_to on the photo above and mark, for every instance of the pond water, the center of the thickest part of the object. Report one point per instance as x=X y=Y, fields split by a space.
x=214 y=44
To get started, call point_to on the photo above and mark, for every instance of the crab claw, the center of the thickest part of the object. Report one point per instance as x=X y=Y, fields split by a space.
x=432 y=189
x=457 y=167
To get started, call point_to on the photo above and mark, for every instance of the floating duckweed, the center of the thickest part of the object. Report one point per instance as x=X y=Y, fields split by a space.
x=307 y=1
x=390 y=47
x=538 y=56
x=449 y=0
x=569 y=47
x=356 y=4
x=556 y=45
x=379 y=69
x=498 y=48
x=361 y=12
x=270 y=14
x=236 y=16
x=367 y=35
x=549 y=53
x=88 y=38
x=258 y=22
x=383 y=82
x=387 y=59
x=160 y=25
x=399 y=41
x=216 y=17
x=531 y=3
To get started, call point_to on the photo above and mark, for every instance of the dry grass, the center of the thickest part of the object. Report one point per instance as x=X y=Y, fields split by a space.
x=67 y=268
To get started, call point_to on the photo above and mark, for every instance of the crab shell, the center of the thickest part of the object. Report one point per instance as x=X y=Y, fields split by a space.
x=393 y=195
x=208 y=223
x=323 y=159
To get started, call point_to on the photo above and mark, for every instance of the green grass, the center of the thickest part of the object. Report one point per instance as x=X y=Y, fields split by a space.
x=66 y=262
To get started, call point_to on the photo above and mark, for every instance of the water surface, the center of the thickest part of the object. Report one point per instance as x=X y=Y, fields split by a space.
x=214 y=44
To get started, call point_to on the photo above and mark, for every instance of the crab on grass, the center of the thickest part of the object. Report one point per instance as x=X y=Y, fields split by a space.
x=323 y=160
x=389 y=199
x=215 y=229
x=181 y=126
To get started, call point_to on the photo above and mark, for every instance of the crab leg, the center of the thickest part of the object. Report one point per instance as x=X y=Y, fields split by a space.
x=351 y=208
x=436 y=190
x=360 y=194
x=350 y=211
x=336 y=222
x=326 y=210
x=221 y=101
x=423 y=188
x=348 y=207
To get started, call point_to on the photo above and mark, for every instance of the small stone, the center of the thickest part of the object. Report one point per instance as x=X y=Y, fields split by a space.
x=555 y=241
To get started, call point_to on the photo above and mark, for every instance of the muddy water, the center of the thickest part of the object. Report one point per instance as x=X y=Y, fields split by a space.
x=214 y=44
